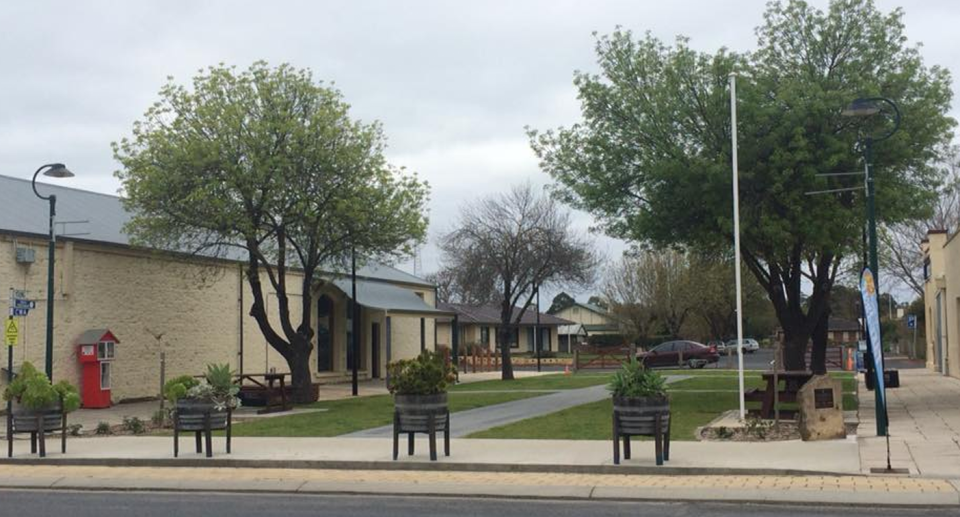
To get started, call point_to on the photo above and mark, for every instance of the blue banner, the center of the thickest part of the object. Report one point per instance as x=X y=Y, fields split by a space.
x=871 y=311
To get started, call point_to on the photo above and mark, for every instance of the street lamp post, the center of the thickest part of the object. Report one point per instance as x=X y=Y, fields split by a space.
x=54 y=170
x=866 y=107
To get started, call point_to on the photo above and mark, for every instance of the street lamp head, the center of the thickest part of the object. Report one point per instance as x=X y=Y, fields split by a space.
x=861 y=108
x=58 y=170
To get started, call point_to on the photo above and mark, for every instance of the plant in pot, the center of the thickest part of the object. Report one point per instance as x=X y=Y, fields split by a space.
x=203 y=405
x=641 y=407
x=419 y=388
x=39 y=406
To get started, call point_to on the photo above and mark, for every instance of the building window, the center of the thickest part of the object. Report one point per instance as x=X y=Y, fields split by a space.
x=926 y=269
x=105 y=350
x=484 y=335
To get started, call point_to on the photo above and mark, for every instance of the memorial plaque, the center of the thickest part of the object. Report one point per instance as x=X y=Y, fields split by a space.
x=823 y=398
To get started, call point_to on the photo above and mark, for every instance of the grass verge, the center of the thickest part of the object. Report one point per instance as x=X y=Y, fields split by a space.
x=541 y=382
x=349 y=415
x=593 y=421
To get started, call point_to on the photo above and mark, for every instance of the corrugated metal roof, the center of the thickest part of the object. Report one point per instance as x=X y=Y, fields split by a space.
x=490 y=314
x=22 y=212
x=382 y=296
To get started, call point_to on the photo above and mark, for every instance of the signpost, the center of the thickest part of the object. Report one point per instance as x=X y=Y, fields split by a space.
x=912 y=324
x=10 y=334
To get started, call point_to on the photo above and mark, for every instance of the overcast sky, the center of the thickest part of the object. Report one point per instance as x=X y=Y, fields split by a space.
x=454 y=83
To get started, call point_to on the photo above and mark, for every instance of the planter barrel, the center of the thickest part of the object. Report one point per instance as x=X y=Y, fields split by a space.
x=428 y=414
x=37 y=422
x=641 y=416
x=202 y=418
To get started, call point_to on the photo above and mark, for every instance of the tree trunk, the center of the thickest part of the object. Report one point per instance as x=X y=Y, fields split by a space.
x=818 y=352
x=795 y=340
x=504 y=335
x=301 y=379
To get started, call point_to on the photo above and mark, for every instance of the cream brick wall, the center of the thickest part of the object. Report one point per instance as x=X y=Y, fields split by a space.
x=136 y=294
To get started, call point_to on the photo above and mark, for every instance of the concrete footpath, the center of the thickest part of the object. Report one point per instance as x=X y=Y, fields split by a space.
x=820 y=490
x=836 y=457
x=924 y=426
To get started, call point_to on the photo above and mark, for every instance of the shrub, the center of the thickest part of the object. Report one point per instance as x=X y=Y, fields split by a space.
x=33 y=390
x=176 y=388
x=103 y=428
x=634 y=380
x=133 y=425
x=75 y=429
x=427 y=374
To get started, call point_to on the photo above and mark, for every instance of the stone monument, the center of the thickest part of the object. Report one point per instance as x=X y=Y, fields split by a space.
x=821 y=409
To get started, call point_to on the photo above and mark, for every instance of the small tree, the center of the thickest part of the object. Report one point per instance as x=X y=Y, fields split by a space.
x=268 y=163
x=517 y=241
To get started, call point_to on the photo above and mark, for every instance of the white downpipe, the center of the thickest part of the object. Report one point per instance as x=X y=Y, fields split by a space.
x=736 y=237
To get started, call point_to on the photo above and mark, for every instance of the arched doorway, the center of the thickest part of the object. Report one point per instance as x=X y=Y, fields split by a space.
x=325 y=317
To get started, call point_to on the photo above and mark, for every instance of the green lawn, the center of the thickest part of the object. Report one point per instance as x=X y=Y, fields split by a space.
x=349 y=415
x=541 y=382
x=593 y=421
x=751 y=380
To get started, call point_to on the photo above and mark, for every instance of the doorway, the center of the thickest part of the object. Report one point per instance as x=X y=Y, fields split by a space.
x=375 y=350
x=325 y=334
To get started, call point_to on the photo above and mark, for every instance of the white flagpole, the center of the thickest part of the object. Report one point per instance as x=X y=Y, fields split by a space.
x=736 y=237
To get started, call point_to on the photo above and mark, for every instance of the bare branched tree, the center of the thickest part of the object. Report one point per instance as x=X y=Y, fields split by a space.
x=516 y=242
x=651 y=289
x=900 y=243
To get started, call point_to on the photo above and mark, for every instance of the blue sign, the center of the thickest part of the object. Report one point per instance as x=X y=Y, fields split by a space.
x=911 y=321
x=18 y=312
x=871 y=310
x=24 y=304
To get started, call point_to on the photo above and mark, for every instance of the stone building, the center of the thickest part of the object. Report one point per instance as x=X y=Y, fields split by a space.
x=195 y=310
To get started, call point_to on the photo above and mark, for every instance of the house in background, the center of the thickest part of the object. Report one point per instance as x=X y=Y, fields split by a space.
x=588 y=320
x=478 y=325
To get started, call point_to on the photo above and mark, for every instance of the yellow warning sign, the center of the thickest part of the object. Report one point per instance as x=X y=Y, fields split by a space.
x=10 y=332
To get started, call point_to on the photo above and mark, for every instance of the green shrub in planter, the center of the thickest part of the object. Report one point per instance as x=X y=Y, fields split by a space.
x=32 y=390
x=216 y=387
x=633 y=380
x=426 y=374
x=176 y=388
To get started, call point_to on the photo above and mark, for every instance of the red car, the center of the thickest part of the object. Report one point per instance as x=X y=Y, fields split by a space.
x=678 y=354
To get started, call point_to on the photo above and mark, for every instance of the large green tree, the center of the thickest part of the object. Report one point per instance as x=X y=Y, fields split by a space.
x=267 y=165
x=651 y=157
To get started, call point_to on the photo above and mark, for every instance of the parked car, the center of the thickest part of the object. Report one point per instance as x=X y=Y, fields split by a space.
x=750 y=346
x=679 y=353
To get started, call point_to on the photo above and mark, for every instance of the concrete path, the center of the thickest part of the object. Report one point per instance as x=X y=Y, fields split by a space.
x=471 y=421
x=835 y=456
x=924 y=425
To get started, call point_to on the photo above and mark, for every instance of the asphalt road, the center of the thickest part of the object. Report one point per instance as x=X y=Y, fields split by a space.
x=158 y=504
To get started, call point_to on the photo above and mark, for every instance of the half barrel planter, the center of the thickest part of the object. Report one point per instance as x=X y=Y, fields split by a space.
x=641 y=416
x=427 y=414
x=37 y=422
x=202 y=418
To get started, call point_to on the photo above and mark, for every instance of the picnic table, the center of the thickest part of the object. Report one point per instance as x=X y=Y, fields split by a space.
x=790 y=383
x=267 y=388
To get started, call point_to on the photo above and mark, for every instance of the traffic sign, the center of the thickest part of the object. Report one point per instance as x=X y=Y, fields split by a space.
x=11 y=332
x=911 y=321
x=24 y=304
x=18 y=312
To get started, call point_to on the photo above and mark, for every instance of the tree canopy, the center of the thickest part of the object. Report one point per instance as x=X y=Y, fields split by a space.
x=651 y=157
x=268 y=163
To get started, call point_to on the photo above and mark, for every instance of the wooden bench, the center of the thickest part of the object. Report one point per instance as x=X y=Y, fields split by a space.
x=792 y=382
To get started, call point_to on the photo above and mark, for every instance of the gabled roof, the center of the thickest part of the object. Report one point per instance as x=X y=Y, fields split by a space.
x=386 y=297
x=590 y=307
x=490 y=314
x=104 y=217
